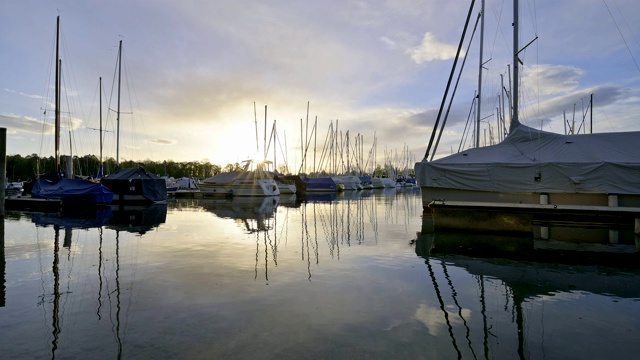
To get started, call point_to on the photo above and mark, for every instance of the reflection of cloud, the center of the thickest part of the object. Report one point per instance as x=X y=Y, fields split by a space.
x=434 y=320
x=431 y=49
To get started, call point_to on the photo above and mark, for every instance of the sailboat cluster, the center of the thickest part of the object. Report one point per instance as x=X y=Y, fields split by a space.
x=123 y=186
x=343 y=169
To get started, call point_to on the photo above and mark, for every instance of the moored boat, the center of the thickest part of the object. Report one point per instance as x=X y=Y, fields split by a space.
x=535 y=170
x=136 y=185
x=257 y=182
x=54 y=186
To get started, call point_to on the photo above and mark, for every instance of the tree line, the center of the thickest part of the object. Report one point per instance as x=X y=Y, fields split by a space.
x=25 y=168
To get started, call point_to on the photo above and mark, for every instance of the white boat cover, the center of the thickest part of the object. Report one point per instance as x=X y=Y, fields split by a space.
x=530 y=160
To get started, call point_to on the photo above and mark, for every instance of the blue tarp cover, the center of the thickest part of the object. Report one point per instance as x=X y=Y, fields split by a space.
x=78 y=190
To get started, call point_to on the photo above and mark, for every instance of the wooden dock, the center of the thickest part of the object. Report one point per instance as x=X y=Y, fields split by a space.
x=30 y=204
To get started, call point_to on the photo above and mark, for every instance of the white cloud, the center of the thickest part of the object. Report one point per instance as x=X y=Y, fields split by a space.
x=553 y=79
x=431 y=49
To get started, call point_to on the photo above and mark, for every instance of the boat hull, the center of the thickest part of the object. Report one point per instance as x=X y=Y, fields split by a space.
x=241 y=188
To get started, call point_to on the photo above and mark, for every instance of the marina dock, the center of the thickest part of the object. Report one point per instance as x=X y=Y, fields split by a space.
x=521 y=218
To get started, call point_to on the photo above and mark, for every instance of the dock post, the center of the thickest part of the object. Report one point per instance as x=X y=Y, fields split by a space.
x=3 y=168
x=544 y=230
x=637 y=231
x=544 y=199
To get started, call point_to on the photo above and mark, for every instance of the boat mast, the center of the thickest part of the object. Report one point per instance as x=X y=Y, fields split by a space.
x=118 y=110
x=514 y=118
x=480 y=65
x=57 y=99
x=100 y=166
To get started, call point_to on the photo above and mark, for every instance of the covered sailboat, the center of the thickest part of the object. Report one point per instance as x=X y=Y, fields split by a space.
x=71 y=190
x=54 y=186
x=534 y=167
x=136 y=185
x=584 y=169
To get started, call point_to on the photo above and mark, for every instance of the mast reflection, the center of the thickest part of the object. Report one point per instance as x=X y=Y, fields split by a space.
x=95 y=220
x=3 y=266
x=312 y=226
x=519 y=271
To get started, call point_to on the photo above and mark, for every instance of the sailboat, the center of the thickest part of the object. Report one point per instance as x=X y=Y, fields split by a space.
x=248 y=182
x=134 y=185
x=54 y=186
x=535 y=168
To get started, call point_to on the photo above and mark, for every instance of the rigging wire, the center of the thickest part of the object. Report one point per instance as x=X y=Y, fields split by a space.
x=621 y=35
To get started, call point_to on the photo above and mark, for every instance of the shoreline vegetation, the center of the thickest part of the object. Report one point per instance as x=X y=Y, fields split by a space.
x=26 y=168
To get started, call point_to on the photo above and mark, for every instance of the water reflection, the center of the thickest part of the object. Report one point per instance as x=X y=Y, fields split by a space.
x=522 y=273
x=84 y=257
x=137 y=219
x=253 y=212
x=89 y=218
x=3 y=266
x=316 y=225
x=217 y=278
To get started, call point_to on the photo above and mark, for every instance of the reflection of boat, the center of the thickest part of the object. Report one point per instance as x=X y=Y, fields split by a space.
x=87 y=218
x=319 y=197
x=252 y=212
x=566 y=243
x=387 y=191
x=516 y=284
x=137 y=219
x=290 y=201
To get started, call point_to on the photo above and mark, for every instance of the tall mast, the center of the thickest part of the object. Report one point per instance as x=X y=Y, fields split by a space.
x=255 y=116
x=118 y=111
x=57 y=99
x=480 y=74
x=315 y=143
x=514 y=118
x=100 y=167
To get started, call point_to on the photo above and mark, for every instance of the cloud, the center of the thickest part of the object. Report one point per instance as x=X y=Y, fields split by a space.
x=23 y=94
x=553 y=79
x=431 y=49
x=15 y=123
x=162 y=141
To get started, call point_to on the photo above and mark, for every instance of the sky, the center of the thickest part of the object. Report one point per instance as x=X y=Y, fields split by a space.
x=198 y=75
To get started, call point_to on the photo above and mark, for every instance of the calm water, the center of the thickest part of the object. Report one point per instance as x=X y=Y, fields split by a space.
x=360 y=275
